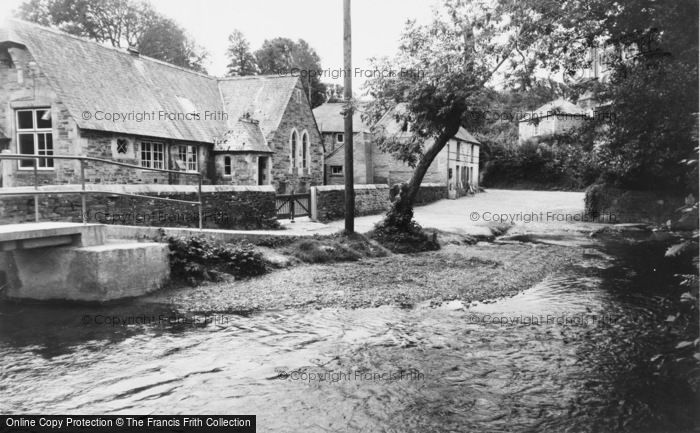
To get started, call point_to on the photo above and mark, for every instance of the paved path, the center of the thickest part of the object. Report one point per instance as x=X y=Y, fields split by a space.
x=527 y=210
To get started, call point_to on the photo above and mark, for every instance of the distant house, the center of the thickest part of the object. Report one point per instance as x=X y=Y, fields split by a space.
x=456 y=166
x=553 y=118
x=332 y=125
x=63 y=95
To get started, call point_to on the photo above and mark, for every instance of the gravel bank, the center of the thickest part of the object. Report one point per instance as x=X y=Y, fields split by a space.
x=468 y=273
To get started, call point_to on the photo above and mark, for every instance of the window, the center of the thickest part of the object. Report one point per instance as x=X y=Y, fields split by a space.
x=34 y=137
x=187 y=156
x=339 y=138
x=152 y=154
x=336 y=170
x=122 y=145
x=459 y=151
x=293 y=146
x=305 y=151
x=227 y=166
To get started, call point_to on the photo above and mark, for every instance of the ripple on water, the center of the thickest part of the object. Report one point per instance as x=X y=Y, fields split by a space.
x=453 y=369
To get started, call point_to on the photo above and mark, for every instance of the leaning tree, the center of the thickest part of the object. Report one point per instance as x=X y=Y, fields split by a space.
x=440 y=76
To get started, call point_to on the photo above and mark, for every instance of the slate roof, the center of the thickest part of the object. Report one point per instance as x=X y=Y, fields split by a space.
x=557 y=106
x=329 y=119
x=244 y=136
x=90 y=77
x=393 y=127
x=263 y=97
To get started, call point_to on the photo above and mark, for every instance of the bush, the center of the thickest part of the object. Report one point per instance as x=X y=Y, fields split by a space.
x=337 y=248
x=413 y=240
x=555 y=163
x=194 y=259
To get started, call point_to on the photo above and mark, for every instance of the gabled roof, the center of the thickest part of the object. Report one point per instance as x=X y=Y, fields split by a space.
x=558 y=106
x=89 y=77
x=244 y=136
x=263 y=97
x=393 y=127
x=329 y=118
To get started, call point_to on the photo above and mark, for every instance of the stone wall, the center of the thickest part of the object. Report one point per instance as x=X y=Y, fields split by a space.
x=369 y=199
x=431 y=192
x=616 y=205
x=225 y=206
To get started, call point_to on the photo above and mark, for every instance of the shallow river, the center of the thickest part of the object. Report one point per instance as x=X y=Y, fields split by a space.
x=561 y=356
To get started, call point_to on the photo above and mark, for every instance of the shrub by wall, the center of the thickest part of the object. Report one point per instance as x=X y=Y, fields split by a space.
x=629 y=206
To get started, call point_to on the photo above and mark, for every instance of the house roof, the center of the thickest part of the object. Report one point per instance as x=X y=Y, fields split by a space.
x=90 y=78
x=329 y=118
x=244 y=135
x=393 y=127
x=558 y=106
x=263 y=97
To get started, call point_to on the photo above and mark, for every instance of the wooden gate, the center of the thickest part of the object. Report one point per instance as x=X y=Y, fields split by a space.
x=290 y=206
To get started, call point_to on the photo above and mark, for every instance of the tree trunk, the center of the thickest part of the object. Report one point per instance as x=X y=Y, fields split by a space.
x=400 y=215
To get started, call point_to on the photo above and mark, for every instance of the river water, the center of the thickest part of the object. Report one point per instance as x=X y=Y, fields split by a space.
x=565 y=355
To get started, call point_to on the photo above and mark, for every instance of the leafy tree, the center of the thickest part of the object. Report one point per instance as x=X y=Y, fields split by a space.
x=441 y=75
x=652 y=48
x=163 y=39
x=241 y=60
x=120 y=23
x=284 y=56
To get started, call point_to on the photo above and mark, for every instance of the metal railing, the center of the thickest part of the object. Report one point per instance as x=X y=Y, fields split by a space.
x=84 y=192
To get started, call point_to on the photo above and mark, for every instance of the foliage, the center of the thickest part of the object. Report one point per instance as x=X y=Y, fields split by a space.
x=284 y=56
x=241 y=60
x=651 y=48
x=335 y=248
x=120 y=23
x=197 y=258
x=412 y=239
x=555 y=162
x=683 y=326
x=441 y=73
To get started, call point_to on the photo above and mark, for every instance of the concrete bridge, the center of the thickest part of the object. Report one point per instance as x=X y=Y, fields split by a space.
x=70 y=261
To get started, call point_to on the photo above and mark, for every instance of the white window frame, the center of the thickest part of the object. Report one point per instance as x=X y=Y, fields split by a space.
x=228 y=164
x=189 y=152
x=35 y=131
x=342 y=170
x=339 y=137
x=154 y=148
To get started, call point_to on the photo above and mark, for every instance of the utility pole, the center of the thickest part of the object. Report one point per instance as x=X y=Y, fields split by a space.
x=349 y=170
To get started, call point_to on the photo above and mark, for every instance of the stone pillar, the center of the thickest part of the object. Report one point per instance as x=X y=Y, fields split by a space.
x=6 y=171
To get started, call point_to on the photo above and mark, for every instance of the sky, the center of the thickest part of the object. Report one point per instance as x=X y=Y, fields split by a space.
x=376 y=25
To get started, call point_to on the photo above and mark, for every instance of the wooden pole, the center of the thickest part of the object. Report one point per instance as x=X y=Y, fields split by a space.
x=349 y=171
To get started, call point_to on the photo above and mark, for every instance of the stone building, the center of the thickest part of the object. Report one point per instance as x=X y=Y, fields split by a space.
x=63 y=95
x=553 y=118
x=456 y=166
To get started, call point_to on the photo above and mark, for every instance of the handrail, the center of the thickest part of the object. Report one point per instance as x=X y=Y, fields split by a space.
x=83 y=192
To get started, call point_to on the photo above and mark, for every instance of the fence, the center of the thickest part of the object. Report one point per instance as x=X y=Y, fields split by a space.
x=83 y=192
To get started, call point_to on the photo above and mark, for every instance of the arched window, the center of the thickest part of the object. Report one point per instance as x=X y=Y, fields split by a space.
x=293 y=146
x=227 y=166
x=305 y=151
